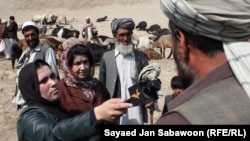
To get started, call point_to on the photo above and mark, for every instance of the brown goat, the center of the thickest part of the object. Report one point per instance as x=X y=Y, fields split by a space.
x=150 y=53
x=163 y=42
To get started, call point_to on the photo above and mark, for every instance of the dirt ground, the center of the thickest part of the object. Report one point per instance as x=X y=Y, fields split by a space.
x=147 y=10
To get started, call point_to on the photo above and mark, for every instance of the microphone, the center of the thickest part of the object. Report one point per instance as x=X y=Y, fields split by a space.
x=143 y=92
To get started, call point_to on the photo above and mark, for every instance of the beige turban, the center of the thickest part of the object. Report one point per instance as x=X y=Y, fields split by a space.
x=126 y=23
x=224 y=20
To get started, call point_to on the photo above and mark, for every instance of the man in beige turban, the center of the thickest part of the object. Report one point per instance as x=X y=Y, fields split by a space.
x=212 y=54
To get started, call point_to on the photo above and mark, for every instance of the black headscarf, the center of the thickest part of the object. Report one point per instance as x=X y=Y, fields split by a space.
x=29 y=86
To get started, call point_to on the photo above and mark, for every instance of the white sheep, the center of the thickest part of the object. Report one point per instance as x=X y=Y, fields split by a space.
x=40 y=19
x=144 y=42
x=61 y=20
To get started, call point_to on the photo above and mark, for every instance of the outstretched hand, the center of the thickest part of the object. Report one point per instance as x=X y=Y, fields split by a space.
x=111 y=110
x=150 y=105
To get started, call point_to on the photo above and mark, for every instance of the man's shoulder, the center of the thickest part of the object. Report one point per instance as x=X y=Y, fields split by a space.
x=42 y=50
x=15 y=23
x=135 y=50
x=108 y=56
x=46 y=47
x=169 y=97
x=138 y=52
x=109 y=52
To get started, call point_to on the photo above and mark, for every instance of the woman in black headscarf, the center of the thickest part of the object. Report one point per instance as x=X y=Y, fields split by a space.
x=44 y=120
x=29 y=85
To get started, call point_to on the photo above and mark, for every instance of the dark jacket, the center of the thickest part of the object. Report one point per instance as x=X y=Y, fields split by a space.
x=216 y=98
x=3 y=31
x=12 y=30
x=37 y=124
x=108 y=74
x=168 y=98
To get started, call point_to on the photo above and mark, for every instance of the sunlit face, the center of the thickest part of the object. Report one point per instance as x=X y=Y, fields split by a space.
x=31 y=37
x=48 y=84
x=177 y=91
x=81 y=67
x=87 y=20
x=124 y=36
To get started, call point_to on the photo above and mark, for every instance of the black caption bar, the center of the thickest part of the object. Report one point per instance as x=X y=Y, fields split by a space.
x=196 y=132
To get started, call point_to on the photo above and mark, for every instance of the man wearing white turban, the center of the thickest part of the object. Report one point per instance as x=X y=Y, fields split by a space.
x=89 y=30
x=212 y=54
x=35 y=50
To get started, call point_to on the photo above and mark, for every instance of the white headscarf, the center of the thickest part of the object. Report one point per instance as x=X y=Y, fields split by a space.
x=224 y=20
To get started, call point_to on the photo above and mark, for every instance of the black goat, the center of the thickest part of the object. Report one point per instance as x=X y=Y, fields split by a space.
x=98 y=51
x=101 y=19
x=141 y=25
x=163 y=31
x=56 y=30
x=66 y=33
x=154 y=29
x=16 y=53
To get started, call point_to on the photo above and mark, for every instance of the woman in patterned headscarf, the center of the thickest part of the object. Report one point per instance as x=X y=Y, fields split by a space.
x=211 y=51
x=80 y=90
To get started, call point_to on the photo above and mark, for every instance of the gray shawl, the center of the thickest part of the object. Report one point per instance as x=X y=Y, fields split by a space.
x=126 y=23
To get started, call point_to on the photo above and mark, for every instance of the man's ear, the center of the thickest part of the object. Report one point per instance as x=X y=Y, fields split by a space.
x=179 y=35
x=182 y=43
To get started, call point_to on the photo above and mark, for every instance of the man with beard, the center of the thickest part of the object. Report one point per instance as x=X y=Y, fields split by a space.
x=120 y=68
x=211 y=49
x=34 y=51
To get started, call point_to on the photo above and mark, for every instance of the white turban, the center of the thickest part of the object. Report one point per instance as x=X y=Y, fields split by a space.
x=150 y=72
x=4 y=21
x=224 y=20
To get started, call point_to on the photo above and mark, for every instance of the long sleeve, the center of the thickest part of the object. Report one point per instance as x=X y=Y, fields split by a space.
x=36 y=124
x=102 y=72
x=51 y=59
